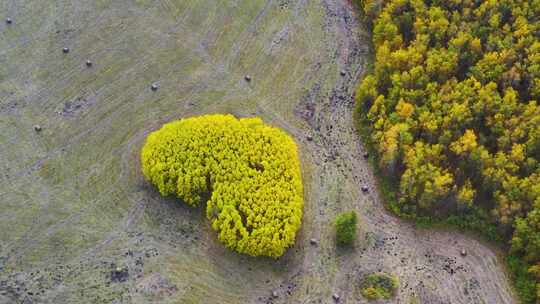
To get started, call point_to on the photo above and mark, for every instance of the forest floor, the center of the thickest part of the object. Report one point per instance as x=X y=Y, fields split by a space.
x=78 y=224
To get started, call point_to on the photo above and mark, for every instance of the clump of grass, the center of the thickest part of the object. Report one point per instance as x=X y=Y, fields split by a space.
x=379 y=286
x=346 y=228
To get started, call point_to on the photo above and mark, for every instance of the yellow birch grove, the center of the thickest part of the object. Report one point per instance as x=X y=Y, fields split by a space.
x=451 y=105
x=246 y=172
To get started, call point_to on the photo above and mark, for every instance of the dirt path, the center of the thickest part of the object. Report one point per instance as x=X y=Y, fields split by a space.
x=80 y=225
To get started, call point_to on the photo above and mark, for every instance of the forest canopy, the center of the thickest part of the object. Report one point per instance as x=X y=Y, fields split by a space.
x=452 y=108
x=247 y=172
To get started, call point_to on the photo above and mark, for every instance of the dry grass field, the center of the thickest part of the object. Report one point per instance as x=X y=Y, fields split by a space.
x=78 y=223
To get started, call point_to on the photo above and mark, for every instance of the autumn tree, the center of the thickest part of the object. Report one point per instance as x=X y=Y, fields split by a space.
x=246 y=172
x=451 y=107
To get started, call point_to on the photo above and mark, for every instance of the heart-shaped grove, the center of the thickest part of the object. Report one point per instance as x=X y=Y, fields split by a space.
x=248 y=173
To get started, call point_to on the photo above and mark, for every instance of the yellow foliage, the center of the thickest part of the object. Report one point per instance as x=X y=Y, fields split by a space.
x=518 y=153
x=390 y=143
x=248 y=171
x=466 y=144
x=466 y=194
x=404 y=109
x=458 y=112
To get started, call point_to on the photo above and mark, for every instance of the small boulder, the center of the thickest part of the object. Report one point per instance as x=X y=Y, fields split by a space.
x=463 y=252
x=335 y=297
x=366 y=155
x=275 y=294
x=88 y=63
x=65 y=50
x=309 y=138
x=313 y=241
x=365 y=189
x=154 y=87
x=247 y=78
x=37 y=128
x=343 y=73
x=9 y=21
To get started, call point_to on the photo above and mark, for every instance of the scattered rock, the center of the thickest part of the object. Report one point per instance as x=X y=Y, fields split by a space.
x=154 y=87
x=88 y=63
x=247 y=78
x=463 y=252
x=309 y=138
x=343 y=73
x=365 y=189
x=65 y=50
x=313 y=241
x=335 y=297
x=9 y=21
x=37 y=128
x=366 y=155
x=275 y=294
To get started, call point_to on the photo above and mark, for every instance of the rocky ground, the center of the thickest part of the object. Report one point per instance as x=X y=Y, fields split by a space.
x=80 y=225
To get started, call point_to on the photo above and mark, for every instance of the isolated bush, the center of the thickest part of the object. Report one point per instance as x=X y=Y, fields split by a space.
x=379 y=286
x=346 y=228
x=246 y=171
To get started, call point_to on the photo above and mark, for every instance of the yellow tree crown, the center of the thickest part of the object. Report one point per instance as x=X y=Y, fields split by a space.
x=248 y=171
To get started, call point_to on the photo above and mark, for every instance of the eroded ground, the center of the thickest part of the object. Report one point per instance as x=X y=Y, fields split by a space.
x=79 y=225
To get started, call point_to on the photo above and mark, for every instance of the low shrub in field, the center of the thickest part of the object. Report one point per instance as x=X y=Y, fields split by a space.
x=346 y=228
x=379 y=286
x=248 y=173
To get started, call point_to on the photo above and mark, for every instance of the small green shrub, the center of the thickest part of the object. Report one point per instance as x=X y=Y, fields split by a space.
x=379 y=286
x=346 y=228
x=248 y=173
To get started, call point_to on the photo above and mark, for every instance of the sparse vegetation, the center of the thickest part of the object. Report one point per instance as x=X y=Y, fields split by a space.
x=248 y=173
x=346 y=228
x=452 y=109
x=379 y=286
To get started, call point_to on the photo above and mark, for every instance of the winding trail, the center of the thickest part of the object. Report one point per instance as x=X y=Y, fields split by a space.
x=93 y=231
